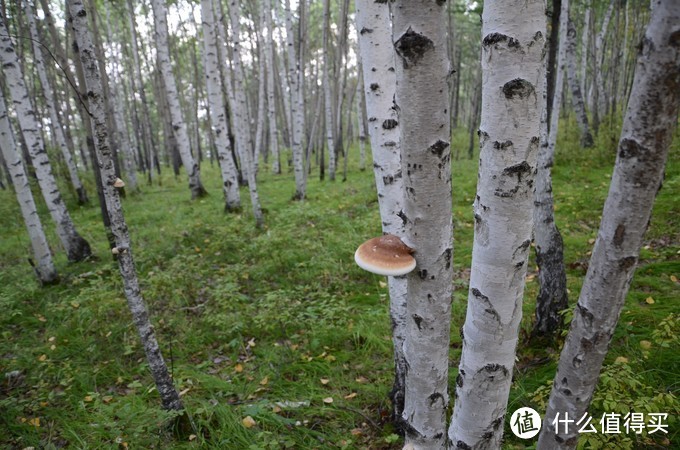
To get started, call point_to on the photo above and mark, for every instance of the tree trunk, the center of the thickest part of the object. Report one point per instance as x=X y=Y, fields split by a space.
x=599 y=97
x=270 y=68
x=178 y=124
x=422 y=68
x=514 y=79
x=361 y=117
x=378 y=60
x=240 y=118
x=575 y=87
x=328 y=92
x=297 y=114
x=43 y=265
x=648 y=128
x=77 y=248
x=48 y=97
x=218 y=119
x=169 y=396
x=552 y=297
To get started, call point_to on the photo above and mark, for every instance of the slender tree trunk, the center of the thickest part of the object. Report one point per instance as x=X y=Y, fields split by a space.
x=585 y=35
x=648 y=128
x=514 y=79
x=218 y=118
x=261 y=103
x=169 y=396
x=361 y=117
x=178 y=124
x=575 y=87
x=599 y=97
x=422 y=68
x=243 y=134
x=77 y=248
x=43 y=265
x=328 y=92
x=552 y=297
x=375 y=40
x=48 y=97
x=297 y=114
x=270 y=68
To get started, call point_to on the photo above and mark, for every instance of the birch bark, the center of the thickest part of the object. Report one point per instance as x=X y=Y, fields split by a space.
x=575 y=87
x=178 y=124
x=243 y=135
x=78 y=21
x=552 y=297
x=378 y=58
x=48 y=97
x=327 y=92
x=43 y=266
x=422 y=69
x=513 y=74
x=270 y=68
x=647 y=132
x=77 y=248
x=218 y=118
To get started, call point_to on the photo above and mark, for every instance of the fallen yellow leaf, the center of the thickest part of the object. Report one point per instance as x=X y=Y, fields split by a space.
x=35 y=422
x=356 y=432
x=238 y=368
x=276 y=409
x=264 y=381
x=674 y=279
x=248 y=422
x=192 y=437
x=75 y=305
x=361 y=380
x=42 y=357
x=349 y=396
x=324 y=381
x=649 y=300
x=646 y=345
x=328 y=400
x=382 y=284
x=591 y=241
x=621 y=359
x=88 y=398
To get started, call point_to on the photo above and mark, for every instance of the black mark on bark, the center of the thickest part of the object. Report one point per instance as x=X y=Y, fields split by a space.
x=418 y=320
x=518 y=88
x=497 y=38
x=389 y=124
x=438 y=148
x=502 y=145
x=619 y=235
x=412 y=47
x=365 y=30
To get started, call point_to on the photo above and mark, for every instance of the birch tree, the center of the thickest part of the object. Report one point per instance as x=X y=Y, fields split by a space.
x=56 y=129
x=575 y=86
x=327 y=92
x=179 y=126
x=240 y=114
x=552 y=296
x=43 y=264
x=77 y=248
x=422 y=67
x=378 y=57
x=513 y=47
x=270 y=68
x=78 y=21
x=218 y=118
x=648 y=128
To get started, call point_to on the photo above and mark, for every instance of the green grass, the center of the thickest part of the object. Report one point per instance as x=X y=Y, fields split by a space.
x=249 y=318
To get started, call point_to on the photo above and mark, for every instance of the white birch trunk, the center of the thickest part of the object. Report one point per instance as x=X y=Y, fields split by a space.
x=361 y=117
x=585 y=34
x=575 y=87
x=168 y=393
x=599 y=59
x=243 y=135
x=297 y=115
x=43 y=265
x=552 y=297
x=648 y=128
x=261 y=103
x=378 y=61
x=327 y=92
x=513 y=75
x=77 y=248
x=270 y=68
x=422 y=68
x=218 y=118
x=179 y=126
x=56 y=128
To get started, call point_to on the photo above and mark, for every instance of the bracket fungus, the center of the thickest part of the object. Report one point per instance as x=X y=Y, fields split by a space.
x=385 y=255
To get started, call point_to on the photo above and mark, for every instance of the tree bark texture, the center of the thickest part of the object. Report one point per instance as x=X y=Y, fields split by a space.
x=552 y=296
x=328 y=92
x=78 y=21
x=179 y=126
x=513 y=75
x=378 y=60
x=218 y=118
x=77 y=248
x=575 y=87
x=43 y=265
x=270 y=68
x=647 y=132
x=422 y=68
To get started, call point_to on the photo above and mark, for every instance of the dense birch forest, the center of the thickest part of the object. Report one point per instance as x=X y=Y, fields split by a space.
x=257 y=225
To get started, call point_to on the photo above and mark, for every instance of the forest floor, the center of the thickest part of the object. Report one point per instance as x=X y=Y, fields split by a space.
x=281 y=327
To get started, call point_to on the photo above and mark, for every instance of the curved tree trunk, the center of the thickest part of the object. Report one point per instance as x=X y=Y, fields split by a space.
x=552 y=297
x=422 y=67
x=514 y=79
x=44 y=267
x=169 y=396
x=218 y=119
x=375 y=47
x=648 y=128
x=178 y=124
x=77 y=248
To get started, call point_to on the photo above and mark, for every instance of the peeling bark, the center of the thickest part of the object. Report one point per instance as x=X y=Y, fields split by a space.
x=647 y=132
x=513 y=53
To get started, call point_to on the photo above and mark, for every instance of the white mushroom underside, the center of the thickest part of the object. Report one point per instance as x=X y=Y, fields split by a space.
x=393 y=271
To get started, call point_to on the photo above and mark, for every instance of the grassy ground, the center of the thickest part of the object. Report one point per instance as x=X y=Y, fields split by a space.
x=280 y=325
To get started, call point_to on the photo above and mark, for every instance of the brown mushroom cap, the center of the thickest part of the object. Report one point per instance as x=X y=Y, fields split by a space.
x=385 y=255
